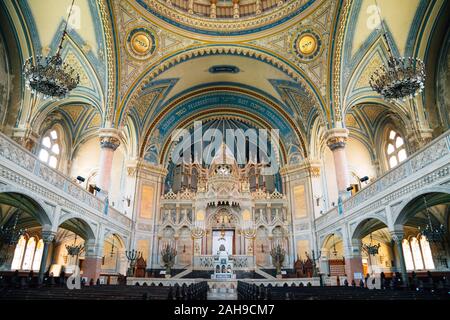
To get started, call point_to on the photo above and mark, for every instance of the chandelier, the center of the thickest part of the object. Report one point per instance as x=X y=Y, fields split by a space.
x=370 y=248
x=431 y=232
x=335 y=253
x=401 y=78
x=50 y=76
x=11 y=235
x=74 y=249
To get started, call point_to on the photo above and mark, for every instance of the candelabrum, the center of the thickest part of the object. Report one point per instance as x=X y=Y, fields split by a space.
x=198 y=231
x=132 y=257
x=168 y=254
x=314 y=261
x=278 y=255
x=249 y=230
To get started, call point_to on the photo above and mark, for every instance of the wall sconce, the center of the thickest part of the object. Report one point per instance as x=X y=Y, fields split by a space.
x=81 y=179
x=364 y=179
x=128 y=200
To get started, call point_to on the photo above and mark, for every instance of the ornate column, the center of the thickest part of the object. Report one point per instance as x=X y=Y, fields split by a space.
x=109 y=142
x=258 y=10
x=47 y=237
x=397 y=237
x=191 y=7
x=236 y=12
x=336 y=141
x=213 y=12
x=93 y=260
x=353 y=259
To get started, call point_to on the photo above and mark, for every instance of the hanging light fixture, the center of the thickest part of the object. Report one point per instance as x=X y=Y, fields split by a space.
x=370 y=248
x=401 y=78
x=74 y=249
x=50 y=76
x=430 y=231
x=10 y=235
x=112 y=248
x=335 y=253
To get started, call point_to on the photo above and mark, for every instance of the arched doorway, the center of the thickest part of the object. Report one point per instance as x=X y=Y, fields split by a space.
x=332 y=258
x=73 y=243
x=114 y=260
x=375 y=244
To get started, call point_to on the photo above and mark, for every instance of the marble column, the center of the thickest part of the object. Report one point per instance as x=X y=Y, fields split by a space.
x=109 y=142
x=397 y=237
x=47 y=237
x=336 y=141
x=92 y=265
x=353 y=260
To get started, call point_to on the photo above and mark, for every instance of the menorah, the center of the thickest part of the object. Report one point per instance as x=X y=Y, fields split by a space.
x=132 y=257
x=198 y=231
x=278 y=255
x=249 y=230
x=168 y=254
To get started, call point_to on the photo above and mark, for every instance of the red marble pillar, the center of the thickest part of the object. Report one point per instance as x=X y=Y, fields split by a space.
x=336 y=140
x=352 y=266
x=91 y=268
x=109 y=143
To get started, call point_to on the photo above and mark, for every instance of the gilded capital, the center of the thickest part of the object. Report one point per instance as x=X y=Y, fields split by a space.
x=336 y=138
x=109 y=139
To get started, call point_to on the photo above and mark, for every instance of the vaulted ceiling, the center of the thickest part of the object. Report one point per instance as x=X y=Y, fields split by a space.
x=307 y=61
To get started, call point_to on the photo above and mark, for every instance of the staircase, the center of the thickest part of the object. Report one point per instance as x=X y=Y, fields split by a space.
x=264 y=274
x=182 y=274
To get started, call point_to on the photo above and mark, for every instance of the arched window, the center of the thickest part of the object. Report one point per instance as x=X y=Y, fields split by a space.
x=395 y=150
x=50 y=149
x=18 y=254
x=418 y=254
x=426 y=253
x=28 y=254
x=407 y=255
x=38 y=255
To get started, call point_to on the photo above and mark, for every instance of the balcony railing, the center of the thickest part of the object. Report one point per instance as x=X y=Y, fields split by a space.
x=12 y=154
x=433 y=152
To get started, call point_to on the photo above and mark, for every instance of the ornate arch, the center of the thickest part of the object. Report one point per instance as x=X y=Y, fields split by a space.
x=244 y=102
x=168 y=62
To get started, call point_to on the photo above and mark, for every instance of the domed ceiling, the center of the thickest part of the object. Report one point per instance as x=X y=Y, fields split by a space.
x=227 y=17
